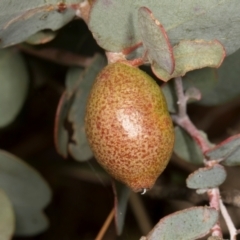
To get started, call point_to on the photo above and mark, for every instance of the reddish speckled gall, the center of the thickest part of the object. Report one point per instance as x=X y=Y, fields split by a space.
x=128 y=126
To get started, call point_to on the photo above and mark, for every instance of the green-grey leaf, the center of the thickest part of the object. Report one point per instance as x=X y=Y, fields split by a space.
x=41 y=37
x=20 y=20
x=226 y=87
x=186 y=148
x=155 y=40
x=184 y=19
x=61 y=135
x=27 y=191
x=14 y=81
x=83 y=82
x=170 y=95
x=189 y=224
x=7 y=217
x=228 y=150
x=32 y=221
x=191 y=55
x=121 y=196
x=72 y=79
x=208 y=177
x=203 y=79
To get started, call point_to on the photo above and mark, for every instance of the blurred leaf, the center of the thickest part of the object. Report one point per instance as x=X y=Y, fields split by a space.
x=121 y=197
x=14 y=81
x=41 y=37
x=203 y=79
x=228 y=150
x=27 y=191
x=80 y=153
x=226 y=87
x=208 y=177
x=61 y=136
x=186 y=148
x=182 y=20
x=80 y=149
x=20 y=21
x=170 y=95
x=188 y=224
x=191 y=55
x=32 y=221
x=155 y=40
x=7 y=218
x=74 y=75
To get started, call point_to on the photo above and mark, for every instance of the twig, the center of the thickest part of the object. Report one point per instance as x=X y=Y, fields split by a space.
x=58 y=56
x=182 y=100
x=105 y=225
x=183 y=120
x=232 y=230
x=214 y=197
x=187 y=124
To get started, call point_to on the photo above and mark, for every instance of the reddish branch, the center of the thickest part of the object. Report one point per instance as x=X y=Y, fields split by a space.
x=58 y=56
x=183 y=121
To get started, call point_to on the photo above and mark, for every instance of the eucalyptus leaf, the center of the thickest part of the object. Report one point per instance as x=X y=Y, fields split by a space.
x=208 y=177
x=121 y=197
x=114 y=23
x=171 y=97
x=188 y=224
x=80 y=149
x=226 y=87
x=72 y=79
x=155 y=40
x=191 y=55
x=14 y=81
x=32 y=221
x=41 y=37
x=186 y=148
x=27 y=191
x=20 y=20
x=61 y=135
x=7 y=217
x=203 y=79
x=136 y=53
x=228 y=150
